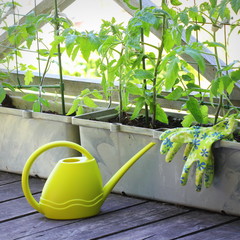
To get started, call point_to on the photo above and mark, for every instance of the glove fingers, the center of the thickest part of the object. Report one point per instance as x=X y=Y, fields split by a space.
x=187 y=151
x=171 y=153
x=185 y=136
x=225 y=127
x=166 y=146
x=209 y=172
x=165 y=134
x=186 y=169
x=200 y=168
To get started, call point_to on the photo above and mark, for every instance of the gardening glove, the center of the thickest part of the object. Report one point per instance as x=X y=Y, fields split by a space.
x=169 y=147
x=198 y=149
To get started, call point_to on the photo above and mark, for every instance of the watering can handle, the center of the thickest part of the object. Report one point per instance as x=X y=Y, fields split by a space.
x=34 y=156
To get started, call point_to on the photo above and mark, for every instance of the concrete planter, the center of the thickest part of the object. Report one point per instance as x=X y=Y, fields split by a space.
x=22 y=132
x=151 y=177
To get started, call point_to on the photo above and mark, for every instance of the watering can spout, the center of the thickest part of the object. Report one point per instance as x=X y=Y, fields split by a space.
x=118 y=175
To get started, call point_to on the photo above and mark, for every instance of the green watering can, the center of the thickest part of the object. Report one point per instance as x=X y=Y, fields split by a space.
x=74 y=188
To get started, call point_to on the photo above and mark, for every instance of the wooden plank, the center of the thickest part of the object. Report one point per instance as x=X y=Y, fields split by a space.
x=14 y=190
x=6 y=178
x=36 y=223
x=175 y=227
x=105 y=224
x=224 y=232
x=15 y=208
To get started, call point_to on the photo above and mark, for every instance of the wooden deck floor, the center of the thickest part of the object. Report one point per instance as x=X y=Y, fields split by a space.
x=121 y=218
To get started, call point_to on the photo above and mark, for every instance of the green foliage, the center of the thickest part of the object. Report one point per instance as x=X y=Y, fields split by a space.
x=84 y=100
x=122 y=53
x=2 y=94
x=126 y=67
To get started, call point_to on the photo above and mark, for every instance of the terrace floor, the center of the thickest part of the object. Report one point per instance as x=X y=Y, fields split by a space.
x=121 y=218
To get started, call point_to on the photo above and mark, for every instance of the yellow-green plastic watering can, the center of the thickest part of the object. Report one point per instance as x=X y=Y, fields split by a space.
x=74 y=188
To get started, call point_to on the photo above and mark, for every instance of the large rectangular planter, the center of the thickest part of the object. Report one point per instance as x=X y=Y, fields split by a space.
x=23 y=131
x=151 y=177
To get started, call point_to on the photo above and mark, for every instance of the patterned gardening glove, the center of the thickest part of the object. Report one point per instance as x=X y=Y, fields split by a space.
x=198 y=149
x=169 y=147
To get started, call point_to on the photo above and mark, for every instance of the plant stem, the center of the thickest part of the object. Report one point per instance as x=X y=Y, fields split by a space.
x=144 y=67
x=120 y=93
x=219 y=73
x=159 y=59
x=59 y=59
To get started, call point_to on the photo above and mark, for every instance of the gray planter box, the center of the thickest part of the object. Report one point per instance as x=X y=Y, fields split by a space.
x=151 y=177
x=22 y=132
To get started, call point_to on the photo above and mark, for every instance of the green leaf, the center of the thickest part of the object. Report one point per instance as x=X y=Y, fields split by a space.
x=223 y=10
x=213 y=3
x=2 y=94
x=226 y=80
x=129 y=5
x=195 y=54
x=94 y=41
x=69 y=43
x=143 y=74
x=107 y=44
x=148 y=17
x=214 y=44
x=89 y=102
x=187 y=77
x=36 y=106
x=139 y=105
x=57 y=40
x=80 y=110
x=194 y=107
x=28 y=77
x=172 y=73
x=30 y=97
x=235 y=75
x=175 y=94
x=229 y=66
x=74 y=106
x=31 y=67
x=175 y=2
x=168 y=40
x=9 y=86
x=204 y=111
x=184 y=18
x=44 y=102
x=133 y=89
x=235 y=5
x=104 y=84
x=85 y=91
x=188 y=33
x=43 y=52
x=75 y=52
x=97 y=94
x=214 y=87
x=161 y=115
x=188 y=120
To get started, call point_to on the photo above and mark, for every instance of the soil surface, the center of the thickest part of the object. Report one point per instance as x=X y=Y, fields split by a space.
x=7 y=102
x=142 y=122
x=173 y=123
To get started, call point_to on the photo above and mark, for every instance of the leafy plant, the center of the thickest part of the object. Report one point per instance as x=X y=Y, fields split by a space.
x=218 y=15
x=21 y=37
x=5 y=10
x=145 y=74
